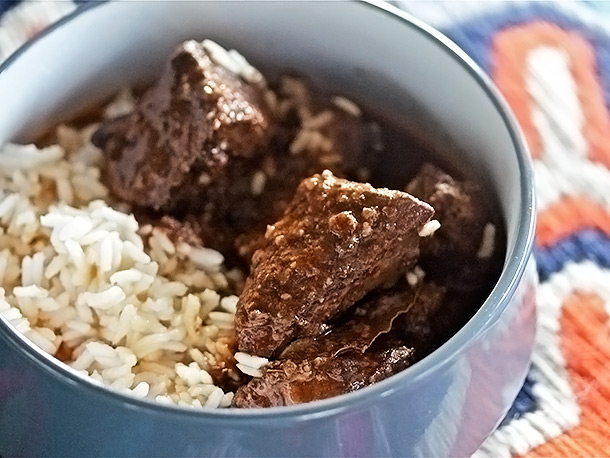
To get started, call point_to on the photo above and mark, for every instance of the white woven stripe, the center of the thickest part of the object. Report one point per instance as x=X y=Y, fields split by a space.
x=558 y=410
x=17 y=24
x=556 y=103
x=585 y=276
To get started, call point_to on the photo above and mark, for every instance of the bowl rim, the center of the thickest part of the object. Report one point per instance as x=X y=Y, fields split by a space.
x=494 y=305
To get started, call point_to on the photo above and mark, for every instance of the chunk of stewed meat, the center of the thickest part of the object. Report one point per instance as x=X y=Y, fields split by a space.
x=337 y=241
x=184 y=133
x=458 y=205
x=463 y=254
x=359 y=328
x=286 y=382
x=418 y=324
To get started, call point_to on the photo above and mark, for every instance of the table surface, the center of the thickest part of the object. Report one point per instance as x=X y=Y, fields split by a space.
x=552 y=63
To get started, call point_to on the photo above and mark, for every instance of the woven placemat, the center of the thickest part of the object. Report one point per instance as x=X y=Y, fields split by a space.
x=552 y=63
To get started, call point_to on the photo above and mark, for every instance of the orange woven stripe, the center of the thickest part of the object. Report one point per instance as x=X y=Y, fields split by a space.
x=586 y=346
x=568 y=215
x=512 y=47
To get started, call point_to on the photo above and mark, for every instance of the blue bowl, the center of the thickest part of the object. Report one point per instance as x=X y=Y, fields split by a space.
x=446 y=404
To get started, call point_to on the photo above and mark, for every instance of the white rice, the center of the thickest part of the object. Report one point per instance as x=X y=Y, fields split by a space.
x=347 y=105
x=429 y=228
x=255 y=362
x=83 y=282
x=206 y=258
x=259 y=180
x=229 y=303
x=234 y=62
x=415 y=276
x=486 y=249
x=122 y=105
x=250 y=364
x=251 y=371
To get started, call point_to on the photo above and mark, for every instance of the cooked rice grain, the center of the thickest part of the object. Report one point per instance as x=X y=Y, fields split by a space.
x=77 y=273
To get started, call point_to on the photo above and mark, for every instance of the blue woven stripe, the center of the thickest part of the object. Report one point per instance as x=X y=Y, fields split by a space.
x=6 y=4
x=588 y=244
x=475 y=35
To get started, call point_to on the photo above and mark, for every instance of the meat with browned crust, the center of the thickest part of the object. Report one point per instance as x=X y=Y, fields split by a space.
x=364 y=323
x=457 y=205
x=191 y=145
x=183 y=132
x=337 y=241
x=382 y=335
x=417 y=326
x=339 y=141
x=287 y=382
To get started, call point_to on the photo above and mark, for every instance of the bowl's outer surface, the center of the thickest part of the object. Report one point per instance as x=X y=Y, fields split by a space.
x=444 y=405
